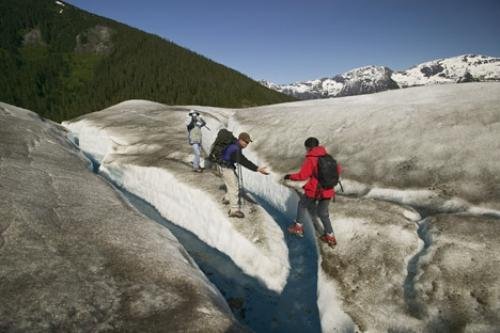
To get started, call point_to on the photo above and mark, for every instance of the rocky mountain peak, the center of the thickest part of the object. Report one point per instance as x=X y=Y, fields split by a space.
x=370 y=79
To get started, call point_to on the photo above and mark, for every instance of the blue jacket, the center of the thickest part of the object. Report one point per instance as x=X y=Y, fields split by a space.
x=232 y=154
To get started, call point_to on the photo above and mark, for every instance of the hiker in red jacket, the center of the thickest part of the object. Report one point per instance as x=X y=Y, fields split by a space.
x=315 y=199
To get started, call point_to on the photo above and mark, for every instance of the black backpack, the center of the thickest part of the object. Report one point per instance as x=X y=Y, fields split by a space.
x=224 y=138
x=328 y=175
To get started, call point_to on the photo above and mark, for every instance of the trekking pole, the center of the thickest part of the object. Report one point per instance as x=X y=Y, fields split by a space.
x=240 y=186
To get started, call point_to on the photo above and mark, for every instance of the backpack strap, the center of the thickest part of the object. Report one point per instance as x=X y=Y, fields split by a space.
x=316 y=175
x=191 y=124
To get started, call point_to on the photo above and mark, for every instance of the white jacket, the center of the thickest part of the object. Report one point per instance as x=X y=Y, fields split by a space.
x=194 y=124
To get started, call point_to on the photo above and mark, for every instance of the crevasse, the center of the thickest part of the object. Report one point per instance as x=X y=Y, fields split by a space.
x=189 y=207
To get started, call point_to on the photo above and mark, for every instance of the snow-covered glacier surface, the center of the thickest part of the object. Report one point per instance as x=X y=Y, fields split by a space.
x=75 y=256
x=417 y=162
x=142 y=147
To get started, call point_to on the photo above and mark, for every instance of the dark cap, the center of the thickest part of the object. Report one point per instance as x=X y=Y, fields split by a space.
x=245 y=137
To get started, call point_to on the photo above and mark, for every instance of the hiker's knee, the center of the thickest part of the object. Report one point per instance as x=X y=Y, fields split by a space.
x=323 y=212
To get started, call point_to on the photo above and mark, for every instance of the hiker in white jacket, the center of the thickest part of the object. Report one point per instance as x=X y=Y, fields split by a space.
x=194 y=123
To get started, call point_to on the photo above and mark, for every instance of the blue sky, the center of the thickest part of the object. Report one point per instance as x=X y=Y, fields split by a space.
x=286 y=41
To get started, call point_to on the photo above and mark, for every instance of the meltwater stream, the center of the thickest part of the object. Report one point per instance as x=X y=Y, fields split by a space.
x=294 y=310
x=262 y=310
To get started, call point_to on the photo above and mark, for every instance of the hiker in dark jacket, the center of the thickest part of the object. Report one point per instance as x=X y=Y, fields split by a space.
x=315 y=198
x=231 y=156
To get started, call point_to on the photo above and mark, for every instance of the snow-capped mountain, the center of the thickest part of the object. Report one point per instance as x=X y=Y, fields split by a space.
x=358 y=81
x=370 y=79
x=464 y=68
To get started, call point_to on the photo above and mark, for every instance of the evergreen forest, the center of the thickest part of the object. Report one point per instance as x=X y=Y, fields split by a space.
x=62 y=62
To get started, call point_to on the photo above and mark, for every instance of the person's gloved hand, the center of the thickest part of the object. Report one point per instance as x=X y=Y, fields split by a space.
x=286 y=177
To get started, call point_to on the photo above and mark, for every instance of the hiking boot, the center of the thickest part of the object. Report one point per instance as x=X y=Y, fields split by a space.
x=225 y=202
x=296 y=229
x=329 y=239
x=198 y=170
x=237 y=213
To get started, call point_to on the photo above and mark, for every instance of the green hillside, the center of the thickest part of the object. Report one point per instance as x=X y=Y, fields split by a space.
x=62 y=62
